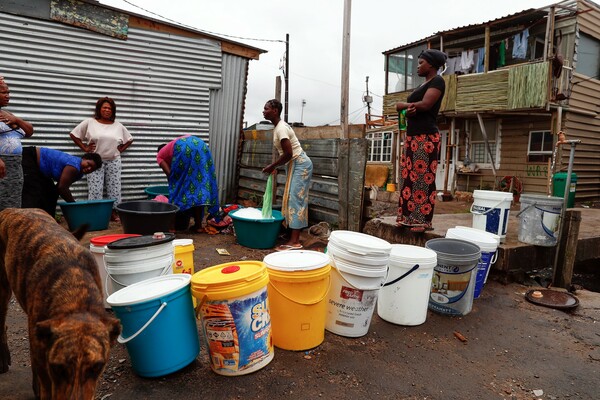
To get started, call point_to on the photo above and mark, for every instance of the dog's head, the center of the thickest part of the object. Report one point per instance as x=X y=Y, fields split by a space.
x=77 y=351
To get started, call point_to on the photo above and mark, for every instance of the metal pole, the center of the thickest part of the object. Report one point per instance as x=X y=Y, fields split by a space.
x=345 y=69
x=287 y=76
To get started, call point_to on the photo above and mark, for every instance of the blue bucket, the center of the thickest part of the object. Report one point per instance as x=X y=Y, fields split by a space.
x=159 y=325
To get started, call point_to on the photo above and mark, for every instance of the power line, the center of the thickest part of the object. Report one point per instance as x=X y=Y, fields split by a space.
x=202 y=30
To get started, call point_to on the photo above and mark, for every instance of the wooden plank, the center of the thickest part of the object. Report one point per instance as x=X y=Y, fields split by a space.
x=309 y=132
x=357 y=168
x=313 y=148
x=567 y=253
x=343 y=182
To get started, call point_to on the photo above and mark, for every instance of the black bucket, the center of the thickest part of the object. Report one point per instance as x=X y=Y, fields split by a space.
x=147 y=216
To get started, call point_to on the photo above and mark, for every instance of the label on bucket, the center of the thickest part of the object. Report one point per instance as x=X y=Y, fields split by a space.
x=349 y=310
x=496 y=220
x=238 y=333
x=452 y=289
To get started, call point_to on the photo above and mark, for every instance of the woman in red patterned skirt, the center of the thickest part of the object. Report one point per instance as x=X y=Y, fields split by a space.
x=422 y=145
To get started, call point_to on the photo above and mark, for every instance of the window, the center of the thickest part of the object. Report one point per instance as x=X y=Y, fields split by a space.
x=402 y=70
x=380 y=146
x=478 y=150
x=540 y=146
x=588 y=56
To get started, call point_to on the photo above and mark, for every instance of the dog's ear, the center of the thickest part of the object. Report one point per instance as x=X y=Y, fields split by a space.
x=80 y=231
x=114 y=329
x=43 y=330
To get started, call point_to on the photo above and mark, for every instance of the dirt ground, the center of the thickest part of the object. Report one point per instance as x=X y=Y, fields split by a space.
x=513 y=350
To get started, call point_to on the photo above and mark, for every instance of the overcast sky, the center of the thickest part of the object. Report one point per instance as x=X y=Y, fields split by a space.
x=315 y=29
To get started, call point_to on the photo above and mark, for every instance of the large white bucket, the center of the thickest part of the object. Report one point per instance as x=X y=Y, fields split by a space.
x=359 y=268
x=488 y=243
x=490 y=211
x=404 y=297
x=135 y=259
x=97 y=248
x=539 y=219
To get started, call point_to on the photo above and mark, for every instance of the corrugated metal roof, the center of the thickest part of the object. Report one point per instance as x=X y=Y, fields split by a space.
x=525 y=17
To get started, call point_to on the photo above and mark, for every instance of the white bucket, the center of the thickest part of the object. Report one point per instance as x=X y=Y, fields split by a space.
x=490 y=211
x=97 y=248
x=133 y=260
x=404 y=297
x=488 y=244
x=539 y=219
x=454 y=275
x=359 y=268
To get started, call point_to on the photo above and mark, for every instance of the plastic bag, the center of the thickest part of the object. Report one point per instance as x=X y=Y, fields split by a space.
x=267 y=205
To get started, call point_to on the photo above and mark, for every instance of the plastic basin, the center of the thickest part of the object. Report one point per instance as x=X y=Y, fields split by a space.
x=95 y=213
x=147 y=216
x=257 y=233
x=153 y=191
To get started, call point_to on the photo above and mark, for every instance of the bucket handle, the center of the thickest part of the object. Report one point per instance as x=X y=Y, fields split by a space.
x=163 y=272
x=410 y=271
x=310 y=303
x=526 y=208
x=123 y=340
x=345 y=277
x=486 y=211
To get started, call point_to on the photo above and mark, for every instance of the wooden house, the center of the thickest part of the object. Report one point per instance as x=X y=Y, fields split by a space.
x=512 y=84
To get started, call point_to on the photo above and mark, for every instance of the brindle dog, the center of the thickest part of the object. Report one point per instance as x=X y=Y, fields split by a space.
x=56 y=281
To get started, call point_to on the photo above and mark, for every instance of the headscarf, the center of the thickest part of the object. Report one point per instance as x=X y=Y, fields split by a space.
x=434 y=57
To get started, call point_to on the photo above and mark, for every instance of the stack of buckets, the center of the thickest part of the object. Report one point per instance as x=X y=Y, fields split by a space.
x=359 y=270
x=488 y=244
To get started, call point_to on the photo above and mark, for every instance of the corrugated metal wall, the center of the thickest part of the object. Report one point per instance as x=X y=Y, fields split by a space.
x=161 y=82
x=226 y=121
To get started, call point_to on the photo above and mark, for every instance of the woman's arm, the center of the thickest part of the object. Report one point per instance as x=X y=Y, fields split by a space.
x=287 y=155
x=67 y=178
x=429 y=99
x=86 y=148
x=2 y=169
x=124 y=146
x=166 y=168
x=13 y=121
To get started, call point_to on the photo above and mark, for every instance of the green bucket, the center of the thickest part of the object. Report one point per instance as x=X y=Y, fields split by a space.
x=257 y=233
x=153 y=191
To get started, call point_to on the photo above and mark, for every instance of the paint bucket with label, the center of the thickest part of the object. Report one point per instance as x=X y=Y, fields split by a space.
x=404 y=297
x=159 y=325
x=488 y=244
x=98 y=248
x=539 y=219
x=490 y=211
x=135 y=259
x=299 y=282
x=235 y=318
x=359 y=269
x=454 y=275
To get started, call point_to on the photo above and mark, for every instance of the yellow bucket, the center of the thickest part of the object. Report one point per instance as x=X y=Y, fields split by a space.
x=299 y=282
x=183 y=263
x=234 y=310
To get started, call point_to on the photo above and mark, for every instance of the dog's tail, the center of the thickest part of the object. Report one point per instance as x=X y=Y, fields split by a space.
x=80 y=231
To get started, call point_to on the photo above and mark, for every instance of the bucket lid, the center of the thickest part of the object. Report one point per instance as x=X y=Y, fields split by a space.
x=454 y=250
x=489 y=234
x=230 y=279
x=492 y=195
x=360 y=243
x=374 y=260
x=412 y=254
x=140 y=241
x=485 y=243
x=296 y=260
x=541 y=199
x=148 y=289
x=357 y=270
x=102 y=241
x=183 y=242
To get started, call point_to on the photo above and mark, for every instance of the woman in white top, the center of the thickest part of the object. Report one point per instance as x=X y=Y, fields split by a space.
x=299 y=173
x=109 y=138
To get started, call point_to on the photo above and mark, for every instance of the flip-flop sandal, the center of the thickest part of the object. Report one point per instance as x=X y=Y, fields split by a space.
x=285 y=247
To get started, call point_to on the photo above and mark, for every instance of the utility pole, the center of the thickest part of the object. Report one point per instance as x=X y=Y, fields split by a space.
x=302 y=114
x=345 y=69
x=287 y=75
x=368 y=99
